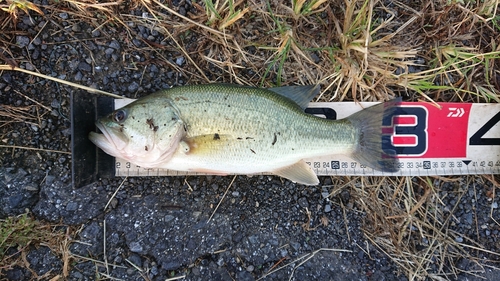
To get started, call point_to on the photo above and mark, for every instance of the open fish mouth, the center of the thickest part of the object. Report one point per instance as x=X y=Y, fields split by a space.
x=108 y=141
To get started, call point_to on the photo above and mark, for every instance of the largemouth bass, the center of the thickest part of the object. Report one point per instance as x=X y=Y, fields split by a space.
x=228 y=129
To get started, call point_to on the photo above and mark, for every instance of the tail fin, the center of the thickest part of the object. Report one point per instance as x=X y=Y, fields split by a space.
x=370 y=150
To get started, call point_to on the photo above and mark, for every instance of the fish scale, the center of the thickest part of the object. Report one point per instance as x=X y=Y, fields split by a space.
x=254 y=116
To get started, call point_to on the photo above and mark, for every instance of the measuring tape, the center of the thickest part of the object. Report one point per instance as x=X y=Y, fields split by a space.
x=449 y=139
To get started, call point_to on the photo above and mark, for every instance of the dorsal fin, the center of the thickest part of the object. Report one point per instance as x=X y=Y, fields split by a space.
x=302 y=95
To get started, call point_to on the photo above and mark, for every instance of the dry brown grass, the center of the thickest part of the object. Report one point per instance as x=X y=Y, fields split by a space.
x=18 y=234
x=363 y=50
x=406 y=218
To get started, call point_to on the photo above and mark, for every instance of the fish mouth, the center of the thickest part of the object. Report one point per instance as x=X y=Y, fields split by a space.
x=109 y=141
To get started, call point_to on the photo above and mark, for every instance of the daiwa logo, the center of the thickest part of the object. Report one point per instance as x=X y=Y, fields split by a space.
x=455 y=112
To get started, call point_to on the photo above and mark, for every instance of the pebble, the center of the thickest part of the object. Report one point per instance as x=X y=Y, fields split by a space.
x=55 y=103
x=16 y=200
x=76 y=28
x=133 y=87
x=78 y=76
x=244 y=276
x=72 y=206
x=37 y=41
x=35 y=55
x=303 y=202
x=113 y=203
x=135 y=247
x=22 y=41
x=136 y=42
x=284 y=253
x=154 y=270
x=196 y=215
x=180 y=61
x=182 y=11
x=49 y=179
x=115 y=45
x=83 y=66
x=153 y=68
x=345 y=195
x=27 y=21
x=118 y=259
x=109 y=51
x=315 y=57
x=254 y=239
x=29 y=66
x=468 y=218
x=328 y=208
x=7 y=77
x=136 y=260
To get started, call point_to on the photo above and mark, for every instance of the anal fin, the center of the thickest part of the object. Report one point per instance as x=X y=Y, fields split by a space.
x=299 y=172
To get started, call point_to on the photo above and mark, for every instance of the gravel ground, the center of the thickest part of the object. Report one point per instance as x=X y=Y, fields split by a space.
x=160 y=224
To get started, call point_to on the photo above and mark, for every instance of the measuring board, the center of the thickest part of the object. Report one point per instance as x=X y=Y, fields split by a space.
x=448 y=139
x=430 y=139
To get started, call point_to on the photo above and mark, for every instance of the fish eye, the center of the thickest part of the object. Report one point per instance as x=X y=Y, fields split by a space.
x=119 y=116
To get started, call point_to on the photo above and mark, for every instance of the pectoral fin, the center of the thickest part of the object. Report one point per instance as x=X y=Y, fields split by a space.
x=299 y=172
